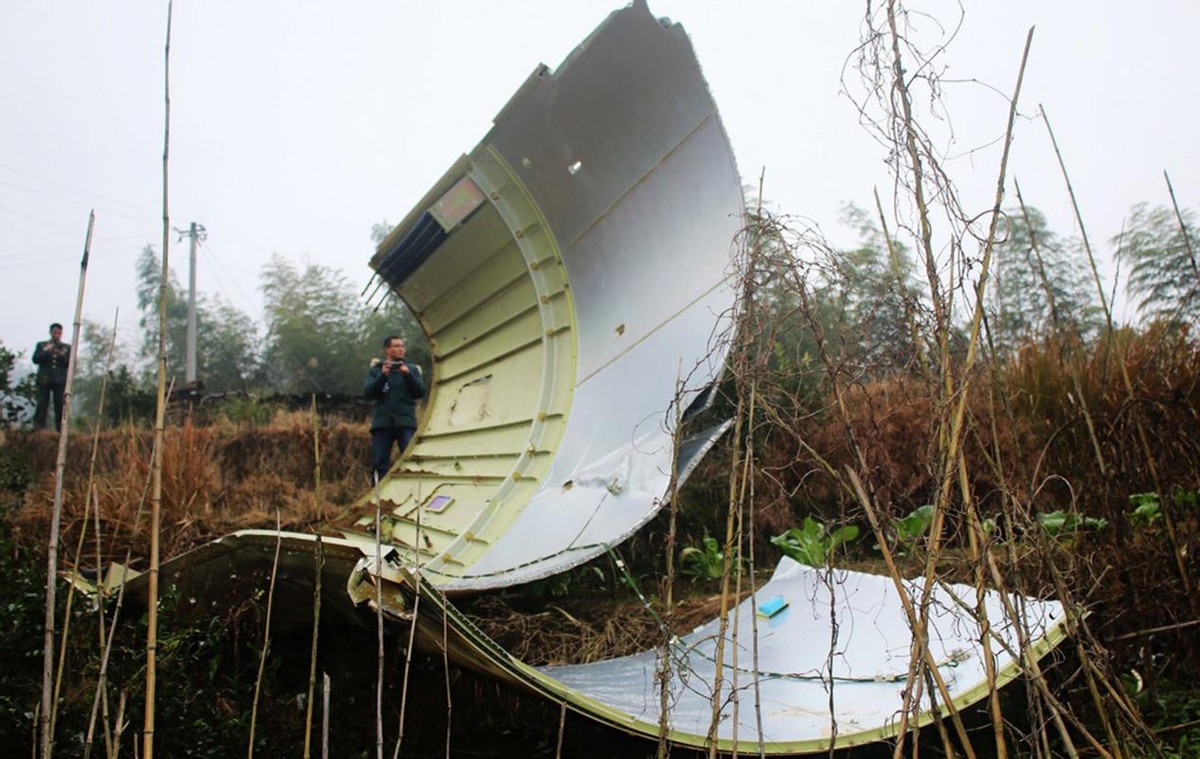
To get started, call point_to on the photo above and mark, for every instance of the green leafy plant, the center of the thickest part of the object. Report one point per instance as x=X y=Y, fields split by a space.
x=812 y=543
x=910 y=528
x=589 y=578
x=706 y=562
x=1064 y=525
x=1186 y=498
x=1146 y=509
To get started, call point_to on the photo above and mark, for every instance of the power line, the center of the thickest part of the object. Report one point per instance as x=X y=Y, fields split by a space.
x=151 y=213
x=101 y=253
x=64 y=247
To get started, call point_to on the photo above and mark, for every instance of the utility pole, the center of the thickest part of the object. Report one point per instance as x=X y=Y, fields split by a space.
x=195 y=232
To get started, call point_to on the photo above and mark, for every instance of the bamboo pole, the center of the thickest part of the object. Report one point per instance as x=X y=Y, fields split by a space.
x=952 y=440
x=319 y=562
x=663 y=668
x=1183 y=230
x=748 y=496
x=325 y=715
x=379 y=627
x=723 y=618
x=747 y=501
x=119 y=726
x=562 y=728
x=89 y=500
x=316 y=427
x=1143 y=437
x=942 y=324
x=266 y=646
x=159 y=417
x=412 y=637
x=408 y=652
x=101 y=681
x=104 y=659
x=47 y=706
x=1075 y=381
x=1087 y=246
x=979 y=549
x=446 y=672
x=748 y=506
x=102 y=639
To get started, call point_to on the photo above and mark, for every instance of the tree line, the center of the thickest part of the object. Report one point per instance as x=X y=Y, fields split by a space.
x=318 y=335
x=868 y=303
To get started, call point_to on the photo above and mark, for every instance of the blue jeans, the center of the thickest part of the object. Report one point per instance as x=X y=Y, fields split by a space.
x=381 y=448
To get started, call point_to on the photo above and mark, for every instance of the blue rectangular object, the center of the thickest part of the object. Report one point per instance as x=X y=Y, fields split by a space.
x=772 y=607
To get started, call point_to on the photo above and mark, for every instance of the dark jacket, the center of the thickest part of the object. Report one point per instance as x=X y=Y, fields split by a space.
x=395 y=398
x=51 y=359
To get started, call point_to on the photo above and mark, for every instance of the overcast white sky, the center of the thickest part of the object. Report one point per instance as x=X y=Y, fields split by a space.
x=298 y=124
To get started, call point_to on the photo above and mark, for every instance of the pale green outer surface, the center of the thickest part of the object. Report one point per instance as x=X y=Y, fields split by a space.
x=572 y=274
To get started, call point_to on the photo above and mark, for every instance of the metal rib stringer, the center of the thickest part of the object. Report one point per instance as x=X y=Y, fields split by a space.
x=497 y=307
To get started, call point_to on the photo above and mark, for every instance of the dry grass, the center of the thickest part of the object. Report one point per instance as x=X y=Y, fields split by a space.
x=216 y=479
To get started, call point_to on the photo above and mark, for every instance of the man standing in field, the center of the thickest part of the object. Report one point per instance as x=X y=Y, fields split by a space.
x=395 y=386
x=52 y=357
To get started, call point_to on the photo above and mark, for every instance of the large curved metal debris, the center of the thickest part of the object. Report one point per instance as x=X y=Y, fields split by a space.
x=571 y=273
x=828 y=671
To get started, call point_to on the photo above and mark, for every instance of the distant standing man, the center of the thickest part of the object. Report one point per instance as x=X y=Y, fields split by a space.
x=52 y=357
x=395 y=386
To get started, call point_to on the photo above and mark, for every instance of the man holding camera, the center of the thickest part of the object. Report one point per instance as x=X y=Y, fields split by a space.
x=395 y=386
x=52 y=357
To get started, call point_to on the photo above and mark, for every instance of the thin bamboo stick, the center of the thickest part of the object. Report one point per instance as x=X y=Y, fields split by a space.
x=412 y=634
x=952 y=440
x=1080 y=396
x=1087 y=246
x=116 y=616
x=325 y=715
x=90 y=500
x=319 y=562
x=47 y=707
x=102 y=679
x=159 y=417
x=942 y=324
x=1183 y=230
x=412 y=637
x=266 y=646
x=379 y=653
x=562 y=728
x=723 y=619
x=979 y=548
x=119 y=726
x=446 y=671
x=663 y=668
x=746 y=502
x=316 y=427
x=1143 y=438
